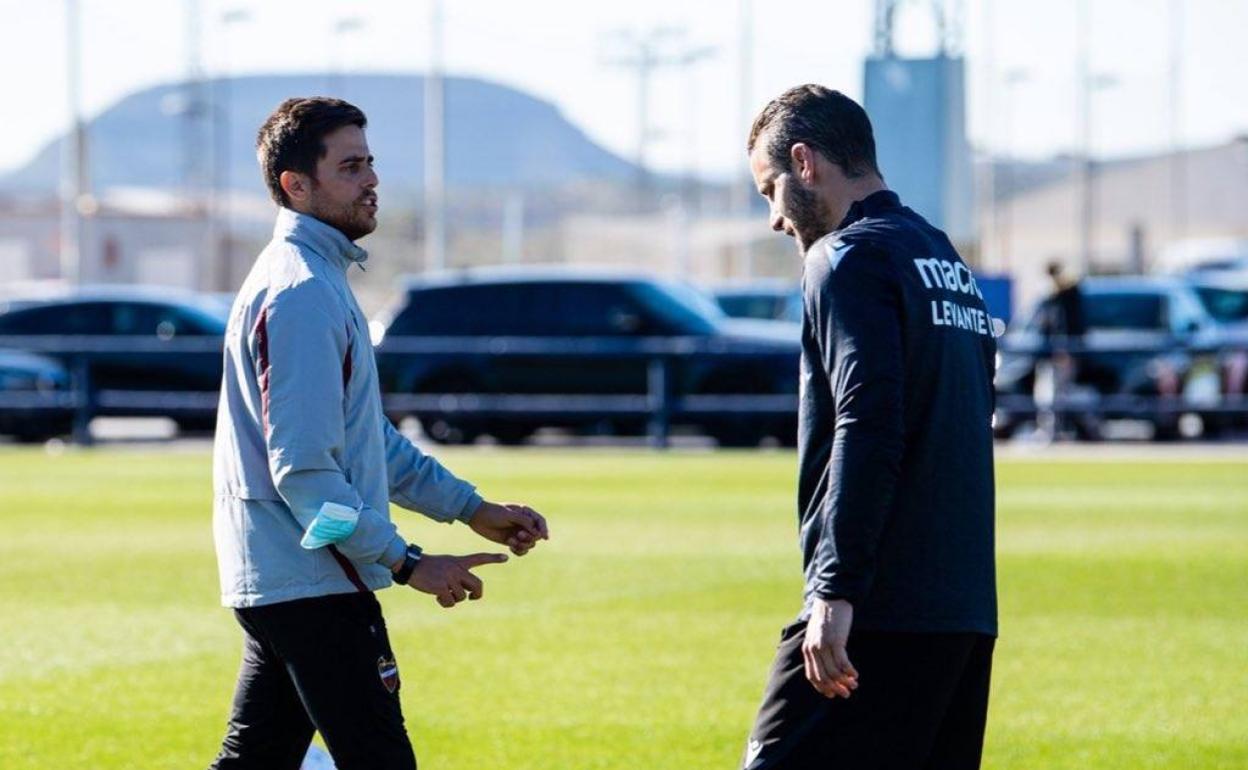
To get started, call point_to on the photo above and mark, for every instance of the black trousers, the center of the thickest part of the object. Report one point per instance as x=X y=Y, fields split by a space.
x=921 y=704
x=321 y=664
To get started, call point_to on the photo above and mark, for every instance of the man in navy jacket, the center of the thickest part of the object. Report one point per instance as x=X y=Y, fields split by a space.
x=888 y=663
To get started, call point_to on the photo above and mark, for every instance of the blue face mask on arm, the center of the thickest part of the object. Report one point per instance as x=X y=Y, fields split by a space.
x=333 y=524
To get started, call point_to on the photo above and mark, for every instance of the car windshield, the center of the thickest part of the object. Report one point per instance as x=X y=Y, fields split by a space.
x=683 y=306
x=1225 y=305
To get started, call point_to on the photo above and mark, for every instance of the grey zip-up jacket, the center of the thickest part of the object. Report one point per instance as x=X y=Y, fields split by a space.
x=300 y=423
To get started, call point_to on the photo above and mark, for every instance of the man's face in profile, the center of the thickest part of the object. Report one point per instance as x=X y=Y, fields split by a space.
x=795 y=209
x=344 y=191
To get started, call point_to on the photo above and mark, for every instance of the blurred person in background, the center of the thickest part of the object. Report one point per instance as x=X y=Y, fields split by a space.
x=1064 y=328
x=1067 y=319
x=888 y=663
x=306 y=466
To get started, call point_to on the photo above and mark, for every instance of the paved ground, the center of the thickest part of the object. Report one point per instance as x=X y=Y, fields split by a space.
x=122 y=433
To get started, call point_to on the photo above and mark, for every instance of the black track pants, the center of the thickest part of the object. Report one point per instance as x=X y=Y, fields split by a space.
x=321 y=664
x=921 y=704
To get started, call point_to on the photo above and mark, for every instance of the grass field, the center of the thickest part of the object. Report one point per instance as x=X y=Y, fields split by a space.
x=639 y=638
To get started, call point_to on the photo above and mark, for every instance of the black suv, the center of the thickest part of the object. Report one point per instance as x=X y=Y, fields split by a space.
x=518 y=350
x=179 y=336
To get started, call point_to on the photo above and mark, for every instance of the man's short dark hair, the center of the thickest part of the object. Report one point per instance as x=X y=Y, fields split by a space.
x=293 y=137
x=824 y=120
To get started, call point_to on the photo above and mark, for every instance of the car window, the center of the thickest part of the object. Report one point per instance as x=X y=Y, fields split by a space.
x=748 y=305
x=1225 y=305
x=437 y=312
x=600 y=310
x=145 y=319
x=678 y=308
x=78 y=318
x=1136 y=311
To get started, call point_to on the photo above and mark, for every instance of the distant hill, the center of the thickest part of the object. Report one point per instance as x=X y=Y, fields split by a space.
x=495 y=136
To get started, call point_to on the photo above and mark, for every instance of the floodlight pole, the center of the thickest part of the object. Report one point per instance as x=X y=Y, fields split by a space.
x=435 y=149
x=1178 y=165
x=74 y=180
x=743 y=190
x=335 y=82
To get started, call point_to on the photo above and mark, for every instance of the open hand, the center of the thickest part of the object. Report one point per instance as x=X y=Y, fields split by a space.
x=448 y=577
x=827 y=666
x=516 y=526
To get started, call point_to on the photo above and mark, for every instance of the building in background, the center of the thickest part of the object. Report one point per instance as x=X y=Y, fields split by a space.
x=1137 y=214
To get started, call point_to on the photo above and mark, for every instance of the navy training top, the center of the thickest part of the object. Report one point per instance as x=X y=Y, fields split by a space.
x=896 y=491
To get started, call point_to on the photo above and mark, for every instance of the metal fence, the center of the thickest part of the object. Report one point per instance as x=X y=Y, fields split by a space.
x=660 y=406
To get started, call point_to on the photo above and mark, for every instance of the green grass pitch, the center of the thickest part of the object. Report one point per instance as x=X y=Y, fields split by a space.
x=640 y=636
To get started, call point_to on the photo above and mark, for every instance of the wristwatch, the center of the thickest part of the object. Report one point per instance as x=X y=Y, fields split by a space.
x=411 y=557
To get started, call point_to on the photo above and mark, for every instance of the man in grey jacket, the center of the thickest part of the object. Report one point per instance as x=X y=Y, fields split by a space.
x=306 y=465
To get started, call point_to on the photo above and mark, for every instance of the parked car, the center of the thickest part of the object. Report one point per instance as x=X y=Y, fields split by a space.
x=29 y=408
x=1224 y=296
x=1146 y=337
x=159 y=315
x=1205 y=256
x=774 y=300
x=589 y=312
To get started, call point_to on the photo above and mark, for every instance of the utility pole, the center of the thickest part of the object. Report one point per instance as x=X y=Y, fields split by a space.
x=335 y=82
x=743 y=190
x=1005 y=219
x=644 y=54
x=222 y=179
x=75 y=183
x=691 y=192
x=192 y=108
x=1178 y=164
x=989 y=249
x=435 y=149
x=1083 y=93
x=1088 y=84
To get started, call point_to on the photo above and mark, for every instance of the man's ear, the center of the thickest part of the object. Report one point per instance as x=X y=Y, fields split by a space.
x=802 y=159
x=297 y=186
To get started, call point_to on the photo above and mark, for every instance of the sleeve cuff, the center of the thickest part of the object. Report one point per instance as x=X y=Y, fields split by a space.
x=849 y=590
x=394 y=552
x=470 y=507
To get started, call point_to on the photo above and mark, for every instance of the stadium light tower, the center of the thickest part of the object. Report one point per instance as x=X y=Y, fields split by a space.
x=435 y=149
x=644 y=54
x=75 y=194
x=743 y=190
x=222 y=179
x=335 y=82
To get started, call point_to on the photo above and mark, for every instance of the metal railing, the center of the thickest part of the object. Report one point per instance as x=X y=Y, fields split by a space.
x=659 y=405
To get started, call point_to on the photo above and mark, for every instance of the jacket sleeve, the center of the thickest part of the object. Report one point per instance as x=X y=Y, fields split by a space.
x=860 y=324
x=300 y=347
x=420 y=483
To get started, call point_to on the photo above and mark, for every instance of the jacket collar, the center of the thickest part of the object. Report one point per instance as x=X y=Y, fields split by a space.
x=324 y=239
x=873 y=205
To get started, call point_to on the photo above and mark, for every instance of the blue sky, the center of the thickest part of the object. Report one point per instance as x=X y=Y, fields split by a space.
x=559 y=49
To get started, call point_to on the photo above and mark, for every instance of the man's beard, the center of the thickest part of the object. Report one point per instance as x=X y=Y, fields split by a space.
x=806 y=216
x=349 y=218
